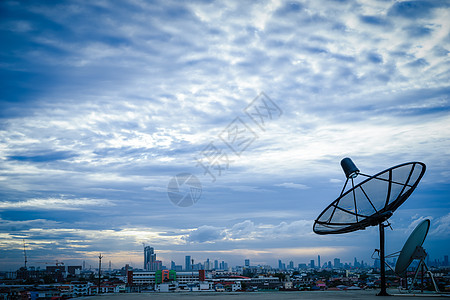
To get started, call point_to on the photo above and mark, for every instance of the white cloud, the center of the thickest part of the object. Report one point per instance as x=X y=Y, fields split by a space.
x=440 y=228
x=56 y=204
x=292 y=185
x=204 y=234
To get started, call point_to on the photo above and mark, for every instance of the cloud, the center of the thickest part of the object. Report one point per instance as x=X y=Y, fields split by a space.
x=335 y=180
x=55 y=204
x=204 y=234
x=292 y=185
x=241 y=230
x=441 y=227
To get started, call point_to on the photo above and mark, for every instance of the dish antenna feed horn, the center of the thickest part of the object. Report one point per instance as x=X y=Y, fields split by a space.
x=370 y=202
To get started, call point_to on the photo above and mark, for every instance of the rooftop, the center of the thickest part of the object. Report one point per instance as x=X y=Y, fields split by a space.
x=332 y=295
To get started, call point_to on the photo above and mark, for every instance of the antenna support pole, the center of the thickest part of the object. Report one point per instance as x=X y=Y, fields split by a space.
x=382 y=262
x=99 y=272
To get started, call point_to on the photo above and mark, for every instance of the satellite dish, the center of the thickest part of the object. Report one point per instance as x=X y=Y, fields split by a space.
x=415 y=240
x=370 y=202
x=413 y=250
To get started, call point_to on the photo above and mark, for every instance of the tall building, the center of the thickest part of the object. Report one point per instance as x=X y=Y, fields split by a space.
x=188 y=263
x=337 y=263
x=280 y=264
x=318 y=261
x=149 y=258
x=216 y=264
x=312 y=264
x=291 y=265
x=445 y=260
x=247 y=263
x=376 y=264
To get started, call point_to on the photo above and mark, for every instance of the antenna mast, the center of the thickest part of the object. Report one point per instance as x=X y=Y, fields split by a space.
x=25 y=254
x=99 y=271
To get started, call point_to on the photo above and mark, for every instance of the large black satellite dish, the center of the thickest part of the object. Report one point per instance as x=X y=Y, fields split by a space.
x=370 y=202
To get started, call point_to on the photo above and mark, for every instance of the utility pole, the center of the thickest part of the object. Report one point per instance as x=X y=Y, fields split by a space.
x=99 y=271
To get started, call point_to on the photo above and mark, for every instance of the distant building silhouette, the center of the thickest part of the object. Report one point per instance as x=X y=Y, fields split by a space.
x=187 y=263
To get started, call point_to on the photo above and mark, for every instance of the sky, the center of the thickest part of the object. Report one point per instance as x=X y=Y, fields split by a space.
x=104 y=103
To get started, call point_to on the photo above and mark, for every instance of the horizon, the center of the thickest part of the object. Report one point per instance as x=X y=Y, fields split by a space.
x=107 y=110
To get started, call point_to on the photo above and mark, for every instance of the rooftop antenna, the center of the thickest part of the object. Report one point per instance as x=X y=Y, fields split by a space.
x=99 y=271
x=370 y=203
x=25 y=253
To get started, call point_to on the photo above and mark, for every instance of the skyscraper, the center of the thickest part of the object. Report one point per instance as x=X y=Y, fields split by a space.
x=247 y=263
x=216 y=264
x=149 y=258
x=445 y=260
x=337 y=263
x=318 y=261
x=376 y=263
x=188 y=263
x=280 y=264
x=312 y=264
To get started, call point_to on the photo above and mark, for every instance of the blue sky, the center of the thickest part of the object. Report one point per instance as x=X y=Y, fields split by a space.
x=102 y=103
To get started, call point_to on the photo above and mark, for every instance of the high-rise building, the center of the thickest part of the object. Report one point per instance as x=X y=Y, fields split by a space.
x=188 y=263
x=312 y=264
x=247 y=263
x=149 y=258
x=216 y=264
x=318 y=261
x=280 y=264
x=172 y=265
x=291 y=265
x=337 y=263
x=376 y=264
x=445 y=260
x=355 y=263
x=302 y=266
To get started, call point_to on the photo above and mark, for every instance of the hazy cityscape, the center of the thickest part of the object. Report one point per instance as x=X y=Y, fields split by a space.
x=216 y=275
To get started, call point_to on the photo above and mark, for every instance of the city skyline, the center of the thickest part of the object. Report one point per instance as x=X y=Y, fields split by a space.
x=193 y=263
x=119 y=126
